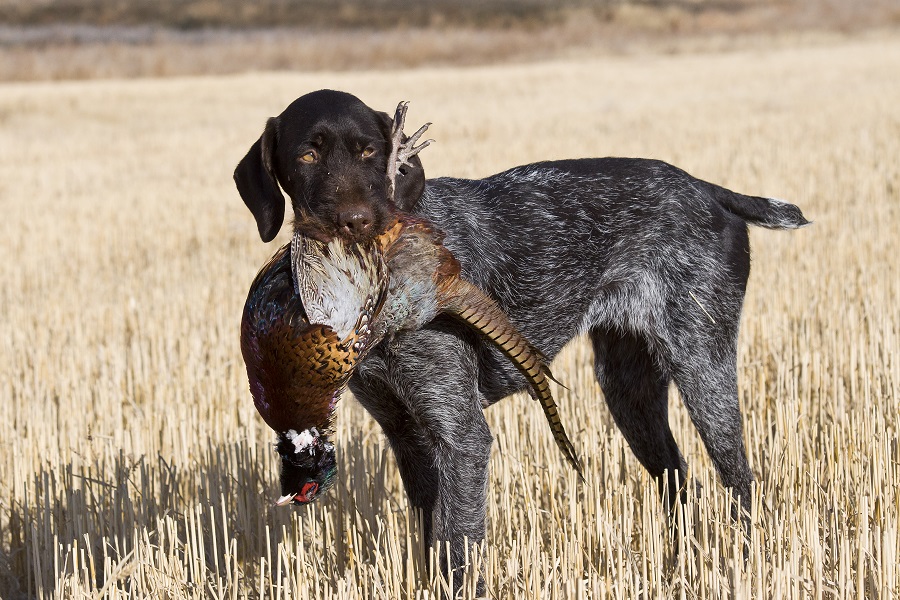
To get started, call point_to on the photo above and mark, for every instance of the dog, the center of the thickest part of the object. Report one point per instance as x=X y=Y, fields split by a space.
x=648 y=261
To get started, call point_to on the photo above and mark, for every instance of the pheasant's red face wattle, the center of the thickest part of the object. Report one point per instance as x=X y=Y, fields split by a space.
x=306 y=494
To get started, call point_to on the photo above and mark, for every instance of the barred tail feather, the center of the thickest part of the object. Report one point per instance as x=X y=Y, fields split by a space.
x=468 y=303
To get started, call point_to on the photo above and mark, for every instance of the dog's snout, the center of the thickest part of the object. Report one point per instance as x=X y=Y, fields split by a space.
x=356 y=222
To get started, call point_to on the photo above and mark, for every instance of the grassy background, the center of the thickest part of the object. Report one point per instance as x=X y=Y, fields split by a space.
x=78 y=39
x=132 y=461
x=377 y=14
x=382 y=14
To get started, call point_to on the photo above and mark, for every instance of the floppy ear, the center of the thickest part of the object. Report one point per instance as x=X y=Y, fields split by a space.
x=256 y=182
x=411 y=180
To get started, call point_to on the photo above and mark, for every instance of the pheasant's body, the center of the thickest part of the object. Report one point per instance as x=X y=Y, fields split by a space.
x=296 y=369
x=301 y=347
x=299 y=356
x=315 y=310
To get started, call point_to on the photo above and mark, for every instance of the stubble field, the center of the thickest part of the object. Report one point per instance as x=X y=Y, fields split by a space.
x=132 y=461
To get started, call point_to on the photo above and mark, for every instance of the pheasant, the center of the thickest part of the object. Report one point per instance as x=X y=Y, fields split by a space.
x=316 y=309
x=299 y=361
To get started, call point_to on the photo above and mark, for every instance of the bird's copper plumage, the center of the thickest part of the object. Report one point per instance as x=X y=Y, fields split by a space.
x=296 y=368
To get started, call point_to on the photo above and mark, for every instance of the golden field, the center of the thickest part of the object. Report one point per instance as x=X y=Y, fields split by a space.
x=87 y=39
x=132 y=461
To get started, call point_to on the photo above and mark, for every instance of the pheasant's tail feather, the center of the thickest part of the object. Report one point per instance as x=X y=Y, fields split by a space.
x=473 y=306
x=549 y=374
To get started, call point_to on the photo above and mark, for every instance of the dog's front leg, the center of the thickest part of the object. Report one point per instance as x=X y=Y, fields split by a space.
x=461 y=505
x=421 y=388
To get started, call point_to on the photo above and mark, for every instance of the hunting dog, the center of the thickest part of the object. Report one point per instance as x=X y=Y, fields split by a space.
x=650 y=262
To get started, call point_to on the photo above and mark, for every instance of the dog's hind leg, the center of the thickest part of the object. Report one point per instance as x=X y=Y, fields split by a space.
x=636 y=391
x=707 y=381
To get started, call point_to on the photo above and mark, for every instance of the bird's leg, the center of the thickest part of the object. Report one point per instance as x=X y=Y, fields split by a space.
x=402 y=151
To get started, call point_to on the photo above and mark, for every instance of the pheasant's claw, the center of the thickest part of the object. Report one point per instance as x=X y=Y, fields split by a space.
x=408 y=149
x=399 y=120
x=403 y=151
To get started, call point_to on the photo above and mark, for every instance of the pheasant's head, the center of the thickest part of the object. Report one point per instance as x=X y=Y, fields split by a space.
x=308 y=465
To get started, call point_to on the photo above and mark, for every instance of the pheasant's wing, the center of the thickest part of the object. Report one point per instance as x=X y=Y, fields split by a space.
x=341 y=285
x=269 y=298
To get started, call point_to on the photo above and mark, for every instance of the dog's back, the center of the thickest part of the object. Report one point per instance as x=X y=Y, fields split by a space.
x=568 y=245
x=648 y=261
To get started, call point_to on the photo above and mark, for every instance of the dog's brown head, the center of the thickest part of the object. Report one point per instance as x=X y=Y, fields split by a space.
x=329 y=152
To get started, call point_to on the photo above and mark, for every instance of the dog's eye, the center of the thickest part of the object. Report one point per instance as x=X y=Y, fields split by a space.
x=309 y=157
x=368 y=152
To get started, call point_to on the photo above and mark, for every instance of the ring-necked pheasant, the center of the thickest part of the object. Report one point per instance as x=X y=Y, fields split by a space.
x=316 y=309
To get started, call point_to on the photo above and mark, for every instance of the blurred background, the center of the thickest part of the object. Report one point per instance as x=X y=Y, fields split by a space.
x=65 y=39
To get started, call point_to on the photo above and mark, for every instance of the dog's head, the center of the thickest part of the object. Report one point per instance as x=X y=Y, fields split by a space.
x=328 y=151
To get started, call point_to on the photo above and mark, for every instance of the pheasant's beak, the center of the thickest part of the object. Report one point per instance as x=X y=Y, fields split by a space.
x=285 y=500
x=306 y=494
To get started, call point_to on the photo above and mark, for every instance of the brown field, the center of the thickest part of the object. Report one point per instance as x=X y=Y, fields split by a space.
x=86 y=39
x=132 y=461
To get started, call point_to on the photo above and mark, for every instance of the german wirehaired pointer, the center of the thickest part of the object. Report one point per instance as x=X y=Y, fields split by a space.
x=648 y=261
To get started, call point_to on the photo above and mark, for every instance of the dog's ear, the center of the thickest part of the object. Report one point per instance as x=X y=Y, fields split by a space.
x=258 y=186
x=411 y=179
x=410 y=184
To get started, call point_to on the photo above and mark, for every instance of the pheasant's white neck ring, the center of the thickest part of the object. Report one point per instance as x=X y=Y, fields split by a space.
x=303 y=441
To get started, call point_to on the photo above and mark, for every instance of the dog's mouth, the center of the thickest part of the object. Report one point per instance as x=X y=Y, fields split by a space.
x=313 y=228
x=326 y=231
x=377 y=208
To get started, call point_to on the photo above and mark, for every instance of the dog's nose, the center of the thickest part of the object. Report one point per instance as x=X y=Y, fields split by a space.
x=356 y=221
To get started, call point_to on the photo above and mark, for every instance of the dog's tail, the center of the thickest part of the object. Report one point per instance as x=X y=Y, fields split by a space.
x=765 y=212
